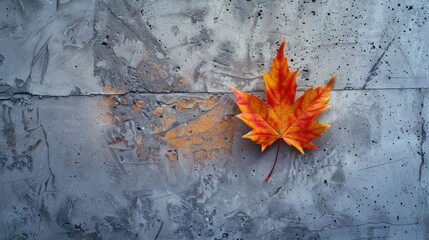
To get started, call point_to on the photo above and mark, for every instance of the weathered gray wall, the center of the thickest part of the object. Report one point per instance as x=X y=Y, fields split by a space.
x=117 y=120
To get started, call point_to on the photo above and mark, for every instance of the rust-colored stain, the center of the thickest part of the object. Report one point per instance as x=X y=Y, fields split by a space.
x=148 y=153
x=209 y=103
x=206 y=138
x=157 y=68
x=139 y=104
x=107 y=102
x=180 y=82
x=117 y=142
x=188 y=103
x=109 y=89
x=151 y=78
x=136 y=109
x=172 y=156
x=139 y=139
x=166 y=116
x=206 y=135
x=140 y=151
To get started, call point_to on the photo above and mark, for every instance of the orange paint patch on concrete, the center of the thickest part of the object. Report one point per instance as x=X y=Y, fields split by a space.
x=206 y=138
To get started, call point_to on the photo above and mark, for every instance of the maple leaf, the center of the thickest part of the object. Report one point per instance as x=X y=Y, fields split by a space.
x=281 y=117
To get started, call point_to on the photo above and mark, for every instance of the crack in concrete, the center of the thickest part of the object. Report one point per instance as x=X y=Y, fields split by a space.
x=118 y=161
x=385 y=163
x=51 y=175
x=376 y=65
x=27 y=94
x=159 y=230
x=370 y=224
x=422 y=141
x=324 y=228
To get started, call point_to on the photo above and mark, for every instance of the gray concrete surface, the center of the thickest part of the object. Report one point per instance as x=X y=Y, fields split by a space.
x=118 y=122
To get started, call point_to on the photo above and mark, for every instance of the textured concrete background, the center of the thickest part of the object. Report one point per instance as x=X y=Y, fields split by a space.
x=117 y=120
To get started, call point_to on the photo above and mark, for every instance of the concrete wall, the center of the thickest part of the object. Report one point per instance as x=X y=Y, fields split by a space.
x=118 y=121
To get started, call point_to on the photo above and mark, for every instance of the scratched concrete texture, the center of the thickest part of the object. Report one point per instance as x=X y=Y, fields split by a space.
x=117 y=120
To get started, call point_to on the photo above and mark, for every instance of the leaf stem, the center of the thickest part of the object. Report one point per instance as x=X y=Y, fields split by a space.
x=267 y=178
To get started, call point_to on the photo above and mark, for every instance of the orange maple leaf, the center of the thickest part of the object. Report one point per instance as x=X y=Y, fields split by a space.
x=281 y=117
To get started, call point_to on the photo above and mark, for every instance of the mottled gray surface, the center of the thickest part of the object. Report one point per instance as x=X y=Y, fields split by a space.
x=117 y=120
